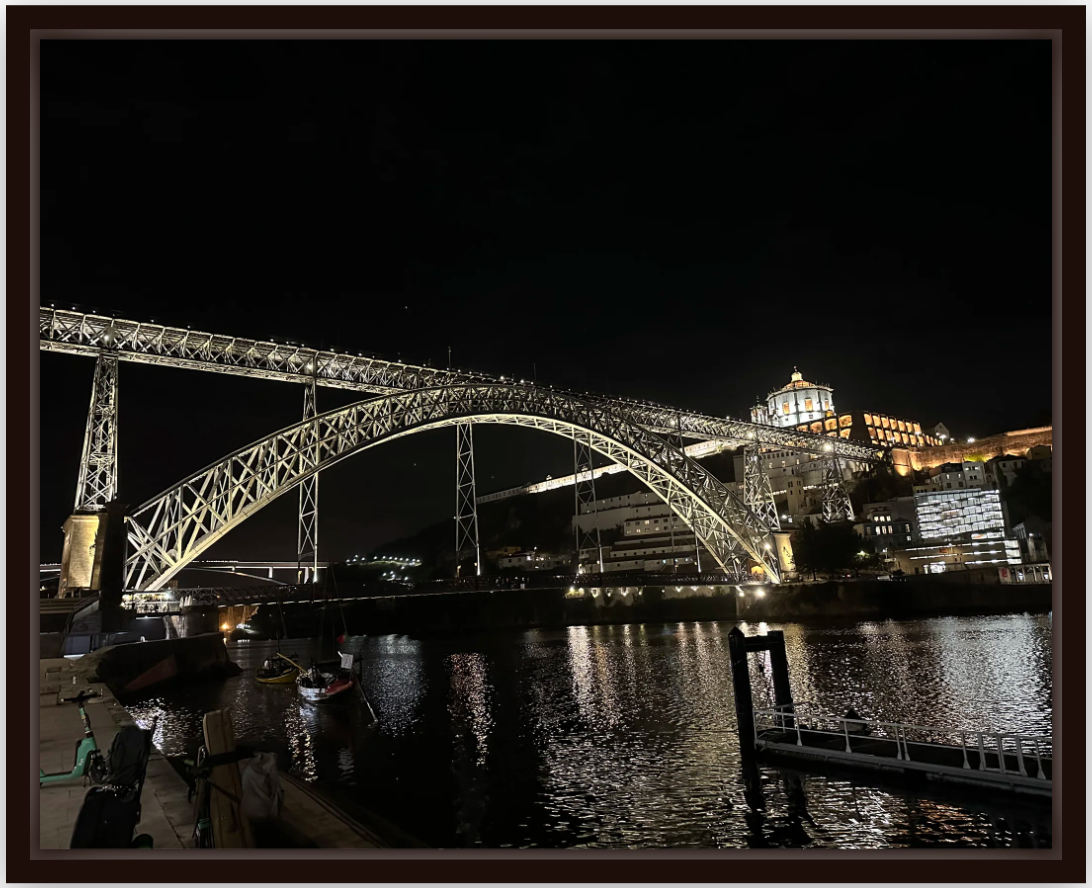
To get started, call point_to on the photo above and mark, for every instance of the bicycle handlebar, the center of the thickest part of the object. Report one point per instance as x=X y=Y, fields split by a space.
x=81 y=696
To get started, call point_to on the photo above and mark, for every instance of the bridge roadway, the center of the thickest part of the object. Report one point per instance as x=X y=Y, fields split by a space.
x=309 y=593
x=78 y=332
x=240 y=567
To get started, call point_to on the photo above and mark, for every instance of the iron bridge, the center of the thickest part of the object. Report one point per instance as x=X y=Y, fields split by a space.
x=166 y=534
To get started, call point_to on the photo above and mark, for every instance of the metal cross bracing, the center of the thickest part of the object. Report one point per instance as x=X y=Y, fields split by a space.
x=466 y=502
x=584 y=496
x=757 y=491
x=175 y=527
x=98 y=479
x=307 y=539
x=81 y=333
x=836 y=502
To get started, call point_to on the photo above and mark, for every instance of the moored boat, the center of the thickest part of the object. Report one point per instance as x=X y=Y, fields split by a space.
x=317 y=686
x=278 y=670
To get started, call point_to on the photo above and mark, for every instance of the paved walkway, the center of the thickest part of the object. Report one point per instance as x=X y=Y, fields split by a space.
x=308 y=820
x=166 y=815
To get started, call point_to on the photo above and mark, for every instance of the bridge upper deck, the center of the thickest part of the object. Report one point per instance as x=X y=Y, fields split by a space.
x=82 y=333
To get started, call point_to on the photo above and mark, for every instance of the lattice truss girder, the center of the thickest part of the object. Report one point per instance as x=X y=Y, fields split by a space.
x=87 y=334
x=307 y=538
x=757 y=491
x=836 y=503
x=98 y=479
x=178 y=525
x=466 y=499
x=584 y=498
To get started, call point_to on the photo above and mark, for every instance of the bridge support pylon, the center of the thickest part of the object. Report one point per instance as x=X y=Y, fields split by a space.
x=757 y=491
x=836 y=503
x=85 y=530
x=307 y=540
x=466 y=500
x=98 y=481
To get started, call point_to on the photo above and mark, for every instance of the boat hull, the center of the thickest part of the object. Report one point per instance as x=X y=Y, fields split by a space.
x=287 y=678
x=321 y=695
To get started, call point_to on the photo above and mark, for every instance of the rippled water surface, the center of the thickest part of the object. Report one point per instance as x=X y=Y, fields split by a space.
x=624 y=736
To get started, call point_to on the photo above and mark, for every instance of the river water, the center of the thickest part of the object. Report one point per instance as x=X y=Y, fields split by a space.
x=624 y=736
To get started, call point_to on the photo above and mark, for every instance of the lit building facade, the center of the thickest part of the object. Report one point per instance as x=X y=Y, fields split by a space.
x=798 y=403
x=890 y=525
x=954 y=476
x=972 y=512
x=942 y=557
x=534 y=560
x=875 y=428
x=809 y=407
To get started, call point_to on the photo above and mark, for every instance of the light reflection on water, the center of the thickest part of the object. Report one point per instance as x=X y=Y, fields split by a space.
x=624 y=736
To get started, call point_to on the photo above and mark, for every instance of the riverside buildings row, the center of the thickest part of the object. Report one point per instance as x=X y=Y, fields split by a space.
x=955 y=518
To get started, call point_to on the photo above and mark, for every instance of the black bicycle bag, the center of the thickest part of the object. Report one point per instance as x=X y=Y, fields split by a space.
x=106 y=820
x=127 y=762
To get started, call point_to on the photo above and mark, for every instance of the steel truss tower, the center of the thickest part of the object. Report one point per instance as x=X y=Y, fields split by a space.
x=584 y=495
x=466 y=505
x=98 y=483
x=757 y=492
x=836 y=503
x=307 y=540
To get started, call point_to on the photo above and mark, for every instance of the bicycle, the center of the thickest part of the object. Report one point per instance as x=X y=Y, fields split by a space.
x=89 y=760
x=200 y=769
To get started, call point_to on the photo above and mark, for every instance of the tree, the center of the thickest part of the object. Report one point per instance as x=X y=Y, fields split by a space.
x=881 y=485
x=1029 y=494
x=806 y=550
x=829 y=548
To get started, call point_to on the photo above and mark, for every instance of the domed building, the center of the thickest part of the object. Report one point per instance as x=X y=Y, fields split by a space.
x=798 y=403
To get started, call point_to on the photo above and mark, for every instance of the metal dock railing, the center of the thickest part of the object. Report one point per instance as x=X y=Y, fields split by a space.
x=1003 y=760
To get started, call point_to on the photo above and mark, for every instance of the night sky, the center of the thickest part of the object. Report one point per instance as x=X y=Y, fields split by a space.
x=676 y=221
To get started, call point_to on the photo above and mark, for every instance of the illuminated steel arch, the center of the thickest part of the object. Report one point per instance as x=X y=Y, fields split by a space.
x=175 y=527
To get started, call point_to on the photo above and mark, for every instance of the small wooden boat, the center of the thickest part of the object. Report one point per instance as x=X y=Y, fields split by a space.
x=318 y=686
x=278 y=670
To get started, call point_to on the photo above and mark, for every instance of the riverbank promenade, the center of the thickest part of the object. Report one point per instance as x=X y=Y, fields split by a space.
x=308 y=820
x=166 y=815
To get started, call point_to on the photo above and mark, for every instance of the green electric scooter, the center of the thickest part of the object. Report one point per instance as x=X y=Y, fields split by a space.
x=90 y=762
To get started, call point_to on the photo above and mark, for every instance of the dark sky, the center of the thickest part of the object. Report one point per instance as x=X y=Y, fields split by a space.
x=677 y=221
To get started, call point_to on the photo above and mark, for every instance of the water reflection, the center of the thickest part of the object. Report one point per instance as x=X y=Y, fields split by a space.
x=624 y=736
x=298 y=728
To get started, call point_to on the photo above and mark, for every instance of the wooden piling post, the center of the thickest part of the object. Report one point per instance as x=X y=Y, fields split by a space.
x=779 y=666
x=741 y=688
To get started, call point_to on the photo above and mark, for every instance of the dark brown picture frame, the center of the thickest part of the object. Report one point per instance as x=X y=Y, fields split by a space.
x=28 y=25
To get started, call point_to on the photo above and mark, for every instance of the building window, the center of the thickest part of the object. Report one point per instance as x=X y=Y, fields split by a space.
x=868 y=419
x=807 y=404
x=785 y=407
